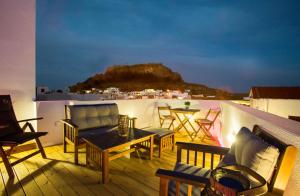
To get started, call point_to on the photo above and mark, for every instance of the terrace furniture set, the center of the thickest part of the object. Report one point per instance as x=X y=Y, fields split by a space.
x=185 y=118
x=98 y=127
x=255 y=153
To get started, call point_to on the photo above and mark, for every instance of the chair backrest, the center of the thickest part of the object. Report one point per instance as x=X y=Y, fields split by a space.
x=285 y=162
x=93 y=115
x=8 y=121
x=214 y=113
x=163 y=110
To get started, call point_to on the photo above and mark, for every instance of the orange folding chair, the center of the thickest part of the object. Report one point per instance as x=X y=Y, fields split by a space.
x=205 y=124
x=165 y=117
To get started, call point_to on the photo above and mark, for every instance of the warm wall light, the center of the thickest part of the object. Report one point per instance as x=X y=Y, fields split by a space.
x=130 y=114
x=231 y=138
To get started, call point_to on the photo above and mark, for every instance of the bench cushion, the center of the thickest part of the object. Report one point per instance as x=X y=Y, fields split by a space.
x=94 y=116
x=251 y=151
x=188 y=169
x=260 y=156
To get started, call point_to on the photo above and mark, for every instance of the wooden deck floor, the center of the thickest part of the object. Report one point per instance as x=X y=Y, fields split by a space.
x=57 y=175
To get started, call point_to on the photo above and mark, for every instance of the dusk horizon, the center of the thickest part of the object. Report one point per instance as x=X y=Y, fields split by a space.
x=226 y=45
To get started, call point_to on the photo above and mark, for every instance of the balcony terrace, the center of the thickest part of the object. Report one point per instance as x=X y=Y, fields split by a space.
x=58 y=175
x=133 y=175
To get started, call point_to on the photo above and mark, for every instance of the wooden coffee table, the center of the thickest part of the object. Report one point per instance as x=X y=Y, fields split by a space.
x=102 y=148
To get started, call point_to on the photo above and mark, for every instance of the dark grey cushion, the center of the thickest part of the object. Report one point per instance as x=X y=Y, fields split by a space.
x=188 y=169
x=95 y=131
x=251 y=151
x=243 y=136
x=234 y=156
x=94 y=116
x=260 y=156
x=228 y=159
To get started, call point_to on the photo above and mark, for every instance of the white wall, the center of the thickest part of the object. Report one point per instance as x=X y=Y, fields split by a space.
x=17 y=55
x=144 y=109
x=235 y=116
x=280 y=107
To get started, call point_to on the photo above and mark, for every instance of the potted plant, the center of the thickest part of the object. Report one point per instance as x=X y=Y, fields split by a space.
x=187 y=104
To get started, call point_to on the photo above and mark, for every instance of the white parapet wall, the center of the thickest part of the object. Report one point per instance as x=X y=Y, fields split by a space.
x=235 y=116
x=17 y=55
x=144 y=109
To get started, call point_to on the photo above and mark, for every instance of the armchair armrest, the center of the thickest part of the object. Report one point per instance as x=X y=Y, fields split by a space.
x=69 y=123
x=28 y=124
x=182 y=177
x=202 y=148
x=30 y=119
x=70 y=131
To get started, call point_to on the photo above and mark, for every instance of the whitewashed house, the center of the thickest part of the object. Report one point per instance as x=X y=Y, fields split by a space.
x=281 y=101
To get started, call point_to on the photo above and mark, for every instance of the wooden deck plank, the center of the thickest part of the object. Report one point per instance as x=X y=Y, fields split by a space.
x=70 y=181
x=131 y=185
x=2 y=183
x=112 y=187
x=27 y=181
x=41 y=180
x=13 y=186
x=80 y=173
x=54 y=177
x=58 y=175
x=149 y=181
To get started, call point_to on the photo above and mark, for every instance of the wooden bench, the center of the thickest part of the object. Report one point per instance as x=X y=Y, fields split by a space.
x=85 y=120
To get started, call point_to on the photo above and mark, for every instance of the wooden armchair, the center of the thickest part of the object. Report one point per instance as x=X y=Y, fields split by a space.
x=188 y=179
x=198 y=155
x=12 y=134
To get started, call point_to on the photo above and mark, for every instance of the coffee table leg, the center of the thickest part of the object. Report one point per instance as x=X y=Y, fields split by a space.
x=151 y=148
x=105 y=167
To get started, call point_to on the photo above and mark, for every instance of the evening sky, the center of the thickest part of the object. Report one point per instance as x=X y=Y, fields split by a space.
x=225 y=44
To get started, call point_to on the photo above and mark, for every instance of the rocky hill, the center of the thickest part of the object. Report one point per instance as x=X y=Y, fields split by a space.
x=144 y=76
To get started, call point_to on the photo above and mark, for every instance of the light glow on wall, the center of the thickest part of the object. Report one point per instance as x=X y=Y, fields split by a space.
x=231 y=138
x=191 y=117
